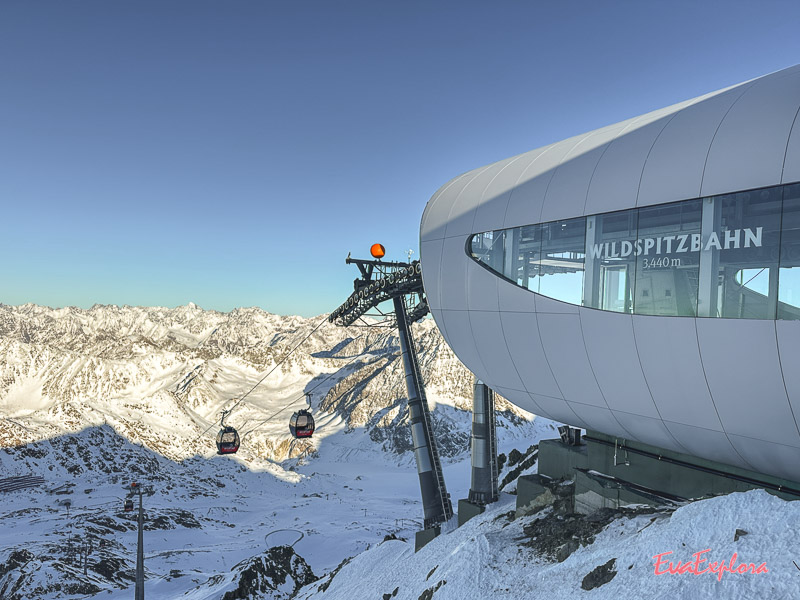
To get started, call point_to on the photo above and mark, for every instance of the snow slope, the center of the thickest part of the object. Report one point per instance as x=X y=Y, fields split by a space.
x=93 y=399
x=489 y=558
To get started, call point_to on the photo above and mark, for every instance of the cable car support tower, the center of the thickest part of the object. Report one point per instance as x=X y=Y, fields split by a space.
x=134 y=489
x=395 y=281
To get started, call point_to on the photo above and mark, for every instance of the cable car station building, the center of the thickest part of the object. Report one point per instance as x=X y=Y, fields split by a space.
x=642 y=282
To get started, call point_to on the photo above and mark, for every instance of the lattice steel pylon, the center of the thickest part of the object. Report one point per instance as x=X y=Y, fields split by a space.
x=394 y=282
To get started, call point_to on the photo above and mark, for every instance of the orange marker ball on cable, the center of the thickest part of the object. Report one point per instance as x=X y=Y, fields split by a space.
x=377 y=250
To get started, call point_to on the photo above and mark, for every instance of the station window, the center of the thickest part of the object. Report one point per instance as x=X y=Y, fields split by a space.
x=611 y=261
x=668 y=259
x=731 y=256
x=524 y=246
x=743 y=248
x=789 y=272
x=488 y=249
x=562 y=260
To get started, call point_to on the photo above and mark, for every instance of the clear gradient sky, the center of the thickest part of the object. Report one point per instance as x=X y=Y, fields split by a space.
x=233 y=153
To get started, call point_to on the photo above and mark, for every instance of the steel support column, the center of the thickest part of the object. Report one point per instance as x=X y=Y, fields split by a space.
x=483 y=489
x=139 y=593
x=435 y=499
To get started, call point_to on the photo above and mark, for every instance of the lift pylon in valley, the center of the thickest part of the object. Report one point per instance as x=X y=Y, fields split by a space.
x=133 y=490
x=394 y=281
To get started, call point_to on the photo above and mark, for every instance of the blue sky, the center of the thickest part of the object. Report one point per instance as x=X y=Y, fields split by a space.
x=233 y=153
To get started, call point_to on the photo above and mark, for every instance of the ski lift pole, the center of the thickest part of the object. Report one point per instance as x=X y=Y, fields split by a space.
x=395 y=281
x=140 y=552
x=136 y=488
x=436 y=504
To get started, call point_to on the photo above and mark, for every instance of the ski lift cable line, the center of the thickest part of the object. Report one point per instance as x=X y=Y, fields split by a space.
x=319 y=383
x=278 y=364
x=295 y=399
x=260 y=381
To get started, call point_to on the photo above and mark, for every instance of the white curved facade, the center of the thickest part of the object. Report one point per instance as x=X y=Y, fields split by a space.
x=725 y=389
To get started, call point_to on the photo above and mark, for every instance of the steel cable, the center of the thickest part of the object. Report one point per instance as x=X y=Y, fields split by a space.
x=323 y=380
x=260 y=381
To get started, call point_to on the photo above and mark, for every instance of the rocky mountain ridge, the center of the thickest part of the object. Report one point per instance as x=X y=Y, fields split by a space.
x=156 y=374
x=92 y=399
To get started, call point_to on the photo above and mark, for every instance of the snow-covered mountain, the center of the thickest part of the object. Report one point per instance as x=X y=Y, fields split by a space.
x=92 y=399
x=160 y=377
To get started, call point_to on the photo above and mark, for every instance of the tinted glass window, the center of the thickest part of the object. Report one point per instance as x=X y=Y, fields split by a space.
x=524 y=251
x=733 y=256
x=744 y=248
x=667 y=254
x=610 y=261
x=789 y=273
x=487 y=248
x=562 y=257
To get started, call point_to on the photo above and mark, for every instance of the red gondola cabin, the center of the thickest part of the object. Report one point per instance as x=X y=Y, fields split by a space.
x=302 y=424
x=227 y=441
